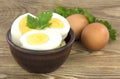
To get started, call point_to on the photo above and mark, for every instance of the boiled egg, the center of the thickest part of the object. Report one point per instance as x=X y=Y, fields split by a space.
x=60 y=25
x=41 y=40
x=95 y=36
x=19 y=27
x=77 y=22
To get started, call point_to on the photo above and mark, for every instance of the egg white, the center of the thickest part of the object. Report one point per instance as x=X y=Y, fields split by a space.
x=63 y=31
x=54 y=41
x=15 y=31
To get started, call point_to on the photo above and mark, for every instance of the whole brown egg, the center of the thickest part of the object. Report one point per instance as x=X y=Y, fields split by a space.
x=77 y=23
x=95 y=36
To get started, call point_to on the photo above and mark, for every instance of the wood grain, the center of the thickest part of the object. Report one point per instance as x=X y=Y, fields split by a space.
x=81 y=63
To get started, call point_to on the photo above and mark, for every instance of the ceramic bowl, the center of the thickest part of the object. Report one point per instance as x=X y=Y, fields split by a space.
x=36 y=61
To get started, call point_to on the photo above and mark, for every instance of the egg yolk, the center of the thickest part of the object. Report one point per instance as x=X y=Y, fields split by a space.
x=37 y=39
x=56 y=23
x=23 y=26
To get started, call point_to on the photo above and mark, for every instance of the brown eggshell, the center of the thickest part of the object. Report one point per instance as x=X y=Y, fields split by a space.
x=95 y=36
x=77 y=23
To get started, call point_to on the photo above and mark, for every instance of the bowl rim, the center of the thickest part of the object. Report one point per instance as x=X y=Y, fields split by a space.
x=39 y=52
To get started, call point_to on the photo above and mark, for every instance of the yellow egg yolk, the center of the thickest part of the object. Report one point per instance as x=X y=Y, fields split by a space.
x=23 y=26
x=56 y=23
x=37 y=39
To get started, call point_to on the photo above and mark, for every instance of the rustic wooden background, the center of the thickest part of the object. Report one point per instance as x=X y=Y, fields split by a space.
x=81 y=64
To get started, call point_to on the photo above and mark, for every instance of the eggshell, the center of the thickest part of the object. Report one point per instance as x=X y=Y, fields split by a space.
x=95 y=36
x=77 y=23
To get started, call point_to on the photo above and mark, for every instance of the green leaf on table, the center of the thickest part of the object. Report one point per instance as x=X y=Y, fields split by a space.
x=89 y=16
x=112 y=32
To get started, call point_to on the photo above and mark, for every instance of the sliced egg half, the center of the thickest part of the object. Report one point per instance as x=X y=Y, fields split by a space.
x=41 y=40
x=60 y=25
x=19 y=27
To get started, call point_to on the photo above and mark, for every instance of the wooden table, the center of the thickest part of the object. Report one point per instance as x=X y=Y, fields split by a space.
x=81 y=64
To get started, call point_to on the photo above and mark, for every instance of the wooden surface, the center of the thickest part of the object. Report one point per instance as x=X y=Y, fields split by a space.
x=81 y=64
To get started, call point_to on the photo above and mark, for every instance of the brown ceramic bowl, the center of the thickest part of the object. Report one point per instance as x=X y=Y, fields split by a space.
x=36 y=61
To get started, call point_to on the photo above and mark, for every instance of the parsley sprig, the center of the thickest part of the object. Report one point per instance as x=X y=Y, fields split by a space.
x=41 y=21
x=112 y=32
x=65 y=12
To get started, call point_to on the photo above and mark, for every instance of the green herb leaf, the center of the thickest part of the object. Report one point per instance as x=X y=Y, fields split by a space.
x=61 y=10
x=112 y=32
x=89 y=16
x=67 y=12
x=32 y=22
x=40 y=22
x=44 y=19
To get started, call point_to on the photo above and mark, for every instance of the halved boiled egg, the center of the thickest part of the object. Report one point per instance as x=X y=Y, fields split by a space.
x=19 y=27
x=41 y=40
x=60 y=25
